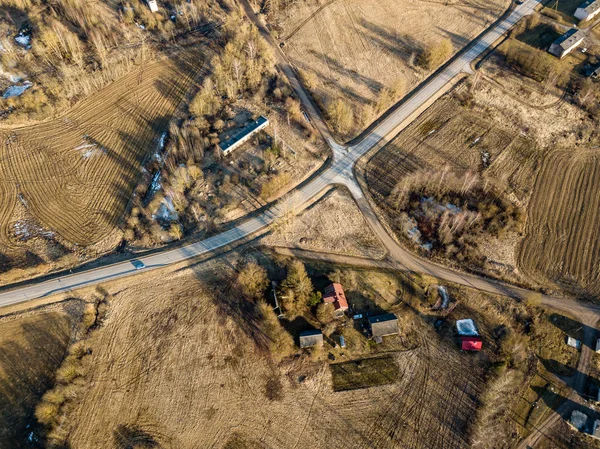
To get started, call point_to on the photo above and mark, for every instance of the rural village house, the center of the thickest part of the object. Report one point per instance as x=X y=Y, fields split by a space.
x=313 y=337
x=334 y=294
x=588 y=10
x=568 y=42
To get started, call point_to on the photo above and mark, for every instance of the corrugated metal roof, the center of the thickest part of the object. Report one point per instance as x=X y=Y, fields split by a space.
x=238 y=134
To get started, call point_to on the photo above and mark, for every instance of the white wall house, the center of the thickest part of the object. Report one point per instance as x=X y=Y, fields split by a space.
x=588 y=10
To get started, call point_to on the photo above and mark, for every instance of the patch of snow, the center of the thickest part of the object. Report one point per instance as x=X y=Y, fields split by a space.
x=431 y=132
x=485 y=158
x=476 y=141
x=467 y=328
x=414 y=234
x=166 y=211
x=154 y=185
x=578 y=419
x=25 y=230
x=141 y=27
x=16 y=78
x=161 y=146
x=23 y=40
x=445 y=297
x=16 y=90
x=452 y=208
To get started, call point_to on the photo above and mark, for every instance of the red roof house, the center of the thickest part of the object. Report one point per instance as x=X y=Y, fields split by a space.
x=471 y=343
x=334 y=294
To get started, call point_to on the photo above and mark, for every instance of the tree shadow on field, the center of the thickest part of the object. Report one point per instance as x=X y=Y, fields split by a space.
x=574 y=329
x=133 y=437
x=403 y=46
x=373 y=85
x=229 y=301
x=28 y=368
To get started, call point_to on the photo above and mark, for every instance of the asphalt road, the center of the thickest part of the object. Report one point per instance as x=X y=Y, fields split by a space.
x=340 y=172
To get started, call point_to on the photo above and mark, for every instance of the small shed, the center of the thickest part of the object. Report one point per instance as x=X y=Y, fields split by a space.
x=596 y=73
x=383 y=325
x=588 y=10
x=153 y=5
x=568 y=42
x=313 y=337
x=471 y=343
x=573 y=342
x=335 y=295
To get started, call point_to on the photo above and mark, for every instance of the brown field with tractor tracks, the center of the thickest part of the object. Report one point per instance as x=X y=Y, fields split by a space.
x=32 y=347
x=177 y=363
x=71 y=178
x=562 y=244
x=353 y=50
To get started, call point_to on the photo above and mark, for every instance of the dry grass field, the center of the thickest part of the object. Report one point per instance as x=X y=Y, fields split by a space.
x=32 y=347
x=467 y=142
x=178 y=364
x=333 y=225
x=70 y=179
x=354 y=49
x=562 y=243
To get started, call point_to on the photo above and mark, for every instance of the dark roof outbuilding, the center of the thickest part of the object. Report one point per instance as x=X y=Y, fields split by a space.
x=313 y=337
x=382 y=325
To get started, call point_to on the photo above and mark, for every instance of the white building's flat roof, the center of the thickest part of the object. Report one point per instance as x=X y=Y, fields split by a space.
x=467 y=328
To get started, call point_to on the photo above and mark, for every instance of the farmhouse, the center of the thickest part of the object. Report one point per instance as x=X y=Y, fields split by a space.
x=153 y=5
x=566 y=43
x=313 y=337
x=334 y=294
x=240 y=136
x=588 y=10
x=383 y=325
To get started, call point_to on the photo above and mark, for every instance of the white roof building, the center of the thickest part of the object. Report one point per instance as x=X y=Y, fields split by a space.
x=466 y=328
x=153 y=5
x=573 y=342
x=588 y=10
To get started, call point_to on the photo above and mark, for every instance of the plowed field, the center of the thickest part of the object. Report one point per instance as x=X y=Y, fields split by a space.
x=562 y=243
x=75 y=175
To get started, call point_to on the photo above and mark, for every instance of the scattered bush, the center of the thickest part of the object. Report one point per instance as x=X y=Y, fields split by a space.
x=435 y=55
x=253 y=281
x=341 y=115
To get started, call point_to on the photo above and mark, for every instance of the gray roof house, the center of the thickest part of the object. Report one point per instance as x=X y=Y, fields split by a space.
x=238 y=137
x=313 y=337
x=588 y=10
x=382 y=325
x=566 y=43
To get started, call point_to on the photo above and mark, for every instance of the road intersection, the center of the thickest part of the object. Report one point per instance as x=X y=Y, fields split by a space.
x=340 y=172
